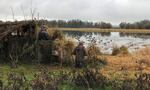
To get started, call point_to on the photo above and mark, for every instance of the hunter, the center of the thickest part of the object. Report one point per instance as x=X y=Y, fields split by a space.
x=43 y=34
x=44 y=41
x=80 y=54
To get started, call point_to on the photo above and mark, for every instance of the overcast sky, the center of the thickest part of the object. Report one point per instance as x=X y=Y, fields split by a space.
x=114 y=11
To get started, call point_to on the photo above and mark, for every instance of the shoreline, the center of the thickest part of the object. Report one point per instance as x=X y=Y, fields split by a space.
x=106 y=30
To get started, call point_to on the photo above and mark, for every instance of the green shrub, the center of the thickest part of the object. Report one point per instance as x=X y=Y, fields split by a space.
x=115 y=51
x=122 y=50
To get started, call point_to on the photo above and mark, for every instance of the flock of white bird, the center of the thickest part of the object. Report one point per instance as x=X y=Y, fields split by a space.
x=107 y=42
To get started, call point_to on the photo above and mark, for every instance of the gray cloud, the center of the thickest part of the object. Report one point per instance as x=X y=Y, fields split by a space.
x=113 y=11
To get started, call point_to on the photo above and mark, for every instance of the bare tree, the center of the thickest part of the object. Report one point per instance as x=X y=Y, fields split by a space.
x=22 y=9
x=32 y=10
x=13 y=15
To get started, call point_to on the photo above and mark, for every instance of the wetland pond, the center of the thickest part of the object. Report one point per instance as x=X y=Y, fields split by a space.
x=108 y=40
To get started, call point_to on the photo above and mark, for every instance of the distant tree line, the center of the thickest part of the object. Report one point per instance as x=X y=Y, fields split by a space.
x=144 y=24
x=78 y=24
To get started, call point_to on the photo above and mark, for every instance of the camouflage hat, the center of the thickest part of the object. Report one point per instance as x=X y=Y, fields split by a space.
x=81 y=43
x=43 y=28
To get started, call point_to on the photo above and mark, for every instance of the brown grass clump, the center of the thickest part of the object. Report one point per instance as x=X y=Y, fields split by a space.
x=59 y=43
x=143 y=52
x=55 y=33
x=51 y=31
x=142 y=57
x=95 y=59
x=69 y=45
x=66 y=46
x=93 y=51
x=130 y=64
x=68 y=49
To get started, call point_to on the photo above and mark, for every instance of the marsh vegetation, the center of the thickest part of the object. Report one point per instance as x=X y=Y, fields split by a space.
x=120 y=69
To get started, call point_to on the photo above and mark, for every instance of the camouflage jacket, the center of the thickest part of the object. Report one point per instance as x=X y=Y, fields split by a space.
x=80 y=52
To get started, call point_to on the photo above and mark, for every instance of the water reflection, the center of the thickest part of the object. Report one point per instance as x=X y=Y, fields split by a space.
x=107 y=40
x=136 y=35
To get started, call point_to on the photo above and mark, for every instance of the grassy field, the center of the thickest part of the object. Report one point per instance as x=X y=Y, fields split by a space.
x=118 y=68
x=29 y=70
x=115 y=68
x=100 y=72
x=110 y=76
x=106 y=30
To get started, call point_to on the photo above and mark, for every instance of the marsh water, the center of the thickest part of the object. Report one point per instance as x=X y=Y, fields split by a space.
x=107 y=40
